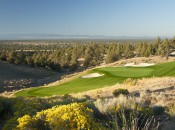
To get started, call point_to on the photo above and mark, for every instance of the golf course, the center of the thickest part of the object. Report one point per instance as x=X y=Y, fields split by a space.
x=108 y=76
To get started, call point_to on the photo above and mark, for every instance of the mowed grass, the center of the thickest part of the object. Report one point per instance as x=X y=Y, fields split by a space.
x=112 y=75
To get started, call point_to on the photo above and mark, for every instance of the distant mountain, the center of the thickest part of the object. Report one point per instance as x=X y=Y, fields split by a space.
x=58 y=36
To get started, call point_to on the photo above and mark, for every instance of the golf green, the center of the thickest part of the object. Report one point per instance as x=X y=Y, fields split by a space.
x=112 y=75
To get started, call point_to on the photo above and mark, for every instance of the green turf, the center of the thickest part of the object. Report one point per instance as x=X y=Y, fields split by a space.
x=112 y=75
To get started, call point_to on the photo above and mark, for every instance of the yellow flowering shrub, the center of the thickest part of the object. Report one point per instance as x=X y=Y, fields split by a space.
x=24 y=121
x=75 y=116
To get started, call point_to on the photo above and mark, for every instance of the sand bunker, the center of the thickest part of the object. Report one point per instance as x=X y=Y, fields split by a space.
x=93 y=75
x=139 y=65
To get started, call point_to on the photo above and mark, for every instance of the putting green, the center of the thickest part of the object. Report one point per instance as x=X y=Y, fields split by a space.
x=112 y=75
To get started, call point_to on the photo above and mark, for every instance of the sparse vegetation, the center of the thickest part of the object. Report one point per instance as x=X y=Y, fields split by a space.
x=119 y=91
x=66 y=112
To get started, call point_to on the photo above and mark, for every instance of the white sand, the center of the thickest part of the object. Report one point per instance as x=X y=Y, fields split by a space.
x=93 y=75
x=129 y=64
x=139 y=65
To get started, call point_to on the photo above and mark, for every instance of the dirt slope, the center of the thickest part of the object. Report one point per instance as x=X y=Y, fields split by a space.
x=14 y=77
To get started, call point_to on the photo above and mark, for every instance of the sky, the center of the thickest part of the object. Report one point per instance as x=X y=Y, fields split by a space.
x=88 y=17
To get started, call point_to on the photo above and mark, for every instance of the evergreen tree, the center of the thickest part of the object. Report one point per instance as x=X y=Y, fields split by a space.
x=156 y=46
x=148 y=51
x=167 y=47
x=88 y=56
x=128 y=51
x=11 y=57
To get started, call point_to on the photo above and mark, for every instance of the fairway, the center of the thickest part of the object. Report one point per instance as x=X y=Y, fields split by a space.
x=112 y=75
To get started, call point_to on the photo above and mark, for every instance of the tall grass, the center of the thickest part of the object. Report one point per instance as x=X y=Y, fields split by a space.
x=132 y=120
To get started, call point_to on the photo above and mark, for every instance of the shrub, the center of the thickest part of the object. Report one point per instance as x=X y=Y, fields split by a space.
x=130 y=81
x=1 y=107
x=65 y=117
x=158 y=110
x=170 y=109
x=104 y=105
x=26 y=122
x=127 y=119
x=119 y=91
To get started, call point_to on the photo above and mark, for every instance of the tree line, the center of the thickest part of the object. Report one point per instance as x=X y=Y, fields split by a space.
x=59 y=56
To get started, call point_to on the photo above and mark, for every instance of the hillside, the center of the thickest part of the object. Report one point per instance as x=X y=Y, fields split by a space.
x=13 y=77
x=110 y=76
x=151 y=98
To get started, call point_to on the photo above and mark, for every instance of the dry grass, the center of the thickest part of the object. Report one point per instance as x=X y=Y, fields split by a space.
x=160 y=91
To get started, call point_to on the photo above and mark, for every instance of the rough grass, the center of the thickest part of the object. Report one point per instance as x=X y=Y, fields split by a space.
x=112 y=75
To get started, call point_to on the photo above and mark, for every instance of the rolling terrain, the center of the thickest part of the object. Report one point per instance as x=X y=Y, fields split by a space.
x=111 y=76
